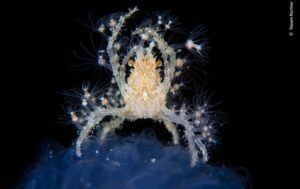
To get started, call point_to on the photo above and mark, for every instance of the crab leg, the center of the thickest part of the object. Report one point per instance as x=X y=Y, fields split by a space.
x=110 y=126
x=172 y=129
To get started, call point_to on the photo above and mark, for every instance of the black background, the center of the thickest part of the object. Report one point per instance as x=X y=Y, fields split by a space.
x=252 y=71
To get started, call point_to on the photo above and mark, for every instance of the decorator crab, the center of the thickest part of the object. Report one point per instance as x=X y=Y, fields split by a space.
x=144 y=69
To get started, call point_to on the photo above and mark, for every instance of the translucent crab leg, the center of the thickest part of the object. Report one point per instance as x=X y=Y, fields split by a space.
x=92 y=120
x=113 y=55
x=172 y=129
x=83 y=134
x=194 y=141
x=110 y=126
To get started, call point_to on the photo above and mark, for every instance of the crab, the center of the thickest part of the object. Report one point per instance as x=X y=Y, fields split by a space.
x=142 y=73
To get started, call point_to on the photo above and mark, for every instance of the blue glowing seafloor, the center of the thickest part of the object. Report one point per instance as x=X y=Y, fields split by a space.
x=135 y=162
